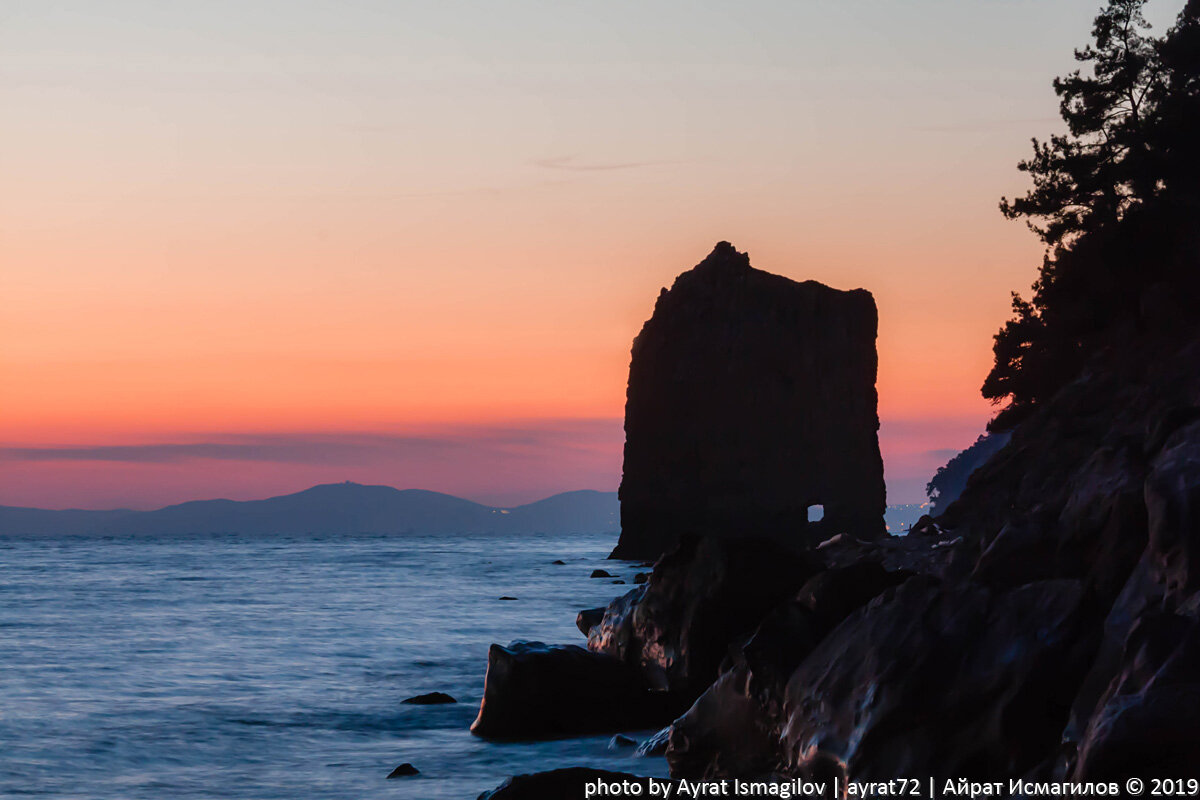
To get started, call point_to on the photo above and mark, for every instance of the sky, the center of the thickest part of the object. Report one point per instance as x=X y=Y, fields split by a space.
x=246 y=247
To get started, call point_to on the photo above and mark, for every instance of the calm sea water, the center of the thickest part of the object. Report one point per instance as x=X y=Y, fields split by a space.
x=236 y=667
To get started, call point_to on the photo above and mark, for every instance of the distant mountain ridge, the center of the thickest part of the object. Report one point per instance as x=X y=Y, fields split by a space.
x=334 y=508
x=347 y=508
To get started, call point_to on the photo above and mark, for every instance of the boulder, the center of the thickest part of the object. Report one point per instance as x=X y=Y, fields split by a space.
x=1096 y=534
x=732 y=729
x=614 y=633
x=1069 y=496
x=1148 y=723
x=789 y=633
x=1138 y=712
x=563 y=784
x=924 y=526
x=538 y=691
x=751 y=399
x=679 y=626
x=587 y=619
x=405 y=770
x=430 y=699
x=724 y=734
x=1172 y=493
x=942 y=681
x=1140 y=595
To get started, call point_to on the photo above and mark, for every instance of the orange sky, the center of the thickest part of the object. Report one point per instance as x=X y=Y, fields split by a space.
x=316 y=219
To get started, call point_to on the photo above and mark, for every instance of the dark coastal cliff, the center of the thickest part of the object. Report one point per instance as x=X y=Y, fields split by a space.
x=1046 y=627
x=751 y=397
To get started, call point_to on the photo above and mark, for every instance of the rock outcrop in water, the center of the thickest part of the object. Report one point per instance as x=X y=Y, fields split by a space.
x=565 y=784
x=1053 y=630
x=677 y=628
x=751 y=398
x=430 y=699
x=928 y=679
x=1045 y=627
x=538 y=691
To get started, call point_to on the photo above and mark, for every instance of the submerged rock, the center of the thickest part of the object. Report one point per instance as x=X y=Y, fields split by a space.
x=621 y=741
x=562 y=784
x=403 y=771
x=600 y=573
x=751 y=398
x=537 y=691
x=430 y=699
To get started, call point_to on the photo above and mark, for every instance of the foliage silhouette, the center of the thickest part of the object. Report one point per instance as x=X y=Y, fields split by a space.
x=1115 y=199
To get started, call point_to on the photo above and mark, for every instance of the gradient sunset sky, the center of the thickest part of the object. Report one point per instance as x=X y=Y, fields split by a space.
x=246 y=247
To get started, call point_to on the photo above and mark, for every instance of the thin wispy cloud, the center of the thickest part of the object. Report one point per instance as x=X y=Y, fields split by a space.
x=574 y=164
x=503 y=463
x=533 y=439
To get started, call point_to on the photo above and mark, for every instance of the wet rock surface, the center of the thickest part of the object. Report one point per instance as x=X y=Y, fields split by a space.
x=559 y=784
x=430 y=699
x=537 y=691
x=750 y=398
x=587 y=619
x=1146 y=723
x=655 y=745
x=405 y=770
x=1050 y=633
x=733 y=729
x=943 y=681
x=1045 y=626
x=678 y=627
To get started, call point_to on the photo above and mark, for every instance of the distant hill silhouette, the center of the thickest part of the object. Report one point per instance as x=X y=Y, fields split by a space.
x=332 y=508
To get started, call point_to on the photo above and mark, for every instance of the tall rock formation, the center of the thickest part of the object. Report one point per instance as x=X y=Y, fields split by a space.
x=751 y=398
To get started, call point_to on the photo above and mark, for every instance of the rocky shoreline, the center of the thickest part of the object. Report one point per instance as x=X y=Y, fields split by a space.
x=1044 y=627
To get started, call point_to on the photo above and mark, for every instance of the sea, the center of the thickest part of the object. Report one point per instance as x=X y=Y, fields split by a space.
x=226 y=666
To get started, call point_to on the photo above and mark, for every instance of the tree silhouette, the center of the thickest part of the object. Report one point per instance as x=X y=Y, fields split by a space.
x=1091 y=175
x=1114 y=199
